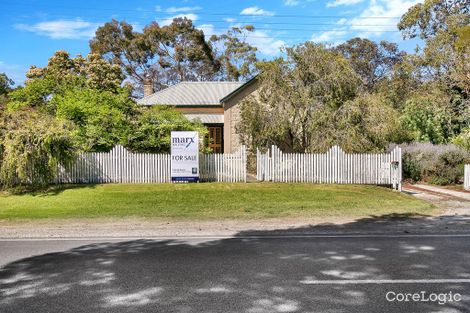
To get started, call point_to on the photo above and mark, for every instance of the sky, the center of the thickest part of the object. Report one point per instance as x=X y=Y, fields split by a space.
x=31 y=30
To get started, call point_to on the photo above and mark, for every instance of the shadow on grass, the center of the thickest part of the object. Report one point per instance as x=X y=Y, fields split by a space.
x=51 y=190
x=255 y=271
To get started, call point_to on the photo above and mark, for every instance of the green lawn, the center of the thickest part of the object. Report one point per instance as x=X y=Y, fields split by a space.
x=210 y=200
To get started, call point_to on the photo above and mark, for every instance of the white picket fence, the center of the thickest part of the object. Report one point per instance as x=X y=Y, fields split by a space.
x=122 y=166
x=333 y=167
x=466 y=178
x=221 y=167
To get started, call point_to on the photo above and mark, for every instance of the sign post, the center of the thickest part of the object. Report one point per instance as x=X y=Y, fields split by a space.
x=184 y=156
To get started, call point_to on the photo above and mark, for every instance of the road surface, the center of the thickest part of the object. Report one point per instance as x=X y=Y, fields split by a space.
x=350 y=273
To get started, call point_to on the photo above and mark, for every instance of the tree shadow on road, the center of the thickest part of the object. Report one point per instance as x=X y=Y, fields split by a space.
x=255 y=271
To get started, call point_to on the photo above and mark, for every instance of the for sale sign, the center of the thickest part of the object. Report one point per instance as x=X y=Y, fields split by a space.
x=184 y=156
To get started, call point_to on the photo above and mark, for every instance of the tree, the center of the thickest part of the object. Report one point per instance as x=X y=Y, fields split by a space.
x=162 y=54
x=32 y=145
x=294 y=94
x=5 y=84
x=437 y=22
x=432 y=117
x=427 y=20
x=236 y=56
x=443 y=64
x=150 y=130
x=463 y=139
x=62 y=73
x=460 y=74
x=5 y=87
x=92 y=71
x=84 y=91
x=101 y=118
x=366 y=123
x=372 y=62
x=404 y=81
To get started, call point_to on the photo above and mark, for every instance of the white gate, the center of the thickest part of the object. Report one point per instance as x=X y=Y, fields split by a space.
x=333 y=167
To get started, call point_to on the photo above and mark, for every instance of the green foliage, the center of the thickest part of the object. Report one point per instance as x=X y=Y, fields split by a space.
x=36 y=94
x=32 y=146
x=150 y=131
x=236 y=56
x=308 y=102
x=101 y=117
x=427 y=19
x=5 y=88
x=402 y=83
x=372 y=62
x=367 y=123
x=412 y=168
x=163 y=54
x=92 y=72
x=463 y=139
x=62 y=74
x=449 y=168
x=436 y=164
x=440 y=23
x=5 y=84
x=293 y=94
x=460 y=73
x=85 y=91
x=433 y=117
x=463 y=38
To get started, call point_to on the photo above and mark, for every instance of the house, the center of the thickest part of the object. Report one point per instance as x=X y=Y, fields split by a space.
x=215 y=104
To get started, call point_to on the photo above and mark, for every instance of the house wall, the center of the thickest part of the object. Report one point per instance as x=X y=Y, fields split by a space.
x=232 y=118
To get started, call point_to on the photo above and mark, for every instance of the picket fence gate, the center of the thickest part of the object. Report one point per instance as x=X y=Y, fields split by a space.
x=466 y=178
x=332 y=167
x=122 y=166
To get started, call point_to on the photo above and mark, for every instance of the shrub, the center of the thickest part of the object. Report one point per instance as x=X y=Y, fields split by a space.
x=150 y=130
x=463 y=140
x=449 y=168
x=101 y=117
x=32 y=147
x=436 y=164
x=411 y=167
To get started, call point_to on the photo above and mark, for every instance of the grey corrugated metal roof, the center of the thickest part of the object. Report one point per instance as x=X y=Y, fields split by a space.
x=192 y=93
x=206 y=118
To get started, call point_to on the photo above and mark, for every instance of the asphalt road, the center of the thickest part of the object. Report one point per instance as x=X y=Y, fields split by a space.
x=244 y=274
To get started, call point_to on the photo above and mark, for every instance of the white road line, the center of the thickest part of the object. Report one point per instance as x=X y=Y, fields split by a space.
x=232 y=237
x=385 y=281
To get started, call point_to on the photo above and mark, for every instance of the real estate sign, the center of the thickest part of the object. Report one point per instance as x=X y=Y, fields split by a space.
x=184 y=156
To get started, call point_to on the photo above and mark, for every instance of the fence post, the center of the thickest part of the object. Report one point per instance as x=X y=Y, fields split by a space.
x=400 y=169
x=244 y=162
x=466 y=179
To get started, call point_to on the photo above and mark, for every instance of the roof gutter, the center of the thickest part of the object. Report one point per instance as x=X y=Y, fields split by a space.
x=238 y=90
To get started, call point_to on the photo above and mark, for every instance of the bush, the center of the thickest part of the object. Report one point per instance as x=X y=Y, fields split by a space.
x=150 y=130
x=449 y=168
x=463 y=140
x=101 y=117
x=436 y=164
x=411 y=167
x=32 y=147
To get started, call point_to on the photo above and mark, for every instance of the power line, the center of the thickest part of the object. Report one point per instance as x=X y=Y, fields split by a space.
x=311 y=30
x=231 y=24
x=194 y=12
x=240 y=24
